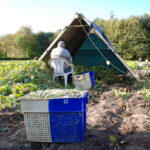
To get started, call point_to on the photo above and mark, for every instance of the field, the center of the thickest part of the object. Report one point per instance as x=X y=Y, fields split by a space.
x=18 y=78
x=118 y=113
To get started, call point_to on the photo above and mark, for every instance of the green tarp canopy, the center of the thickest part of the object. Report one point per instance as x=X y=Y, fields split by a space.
x=88 y=55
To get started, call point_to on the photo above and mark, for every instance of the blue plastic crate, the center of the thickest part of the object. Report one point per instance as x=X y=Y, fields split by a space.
x=68 y=119
x=67 y=127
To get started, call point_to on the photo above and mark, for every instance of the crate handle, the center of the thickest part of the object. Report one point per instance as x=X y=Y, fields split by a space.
x=80 y=77
x=65 y=101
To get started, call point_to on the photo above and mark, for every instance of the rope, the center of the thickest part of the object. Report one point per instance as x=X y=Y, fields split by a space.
x=107 y=61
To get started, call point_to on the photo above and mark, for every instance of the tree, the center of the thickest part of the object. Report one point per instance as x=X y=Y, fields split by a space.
x=112 y=15
x=99 y=22
x=131 y=40
x=6 y=45
x=26 y=40
x=2 y=54
x=130 y=37
x=43 y=40
x=145 y=24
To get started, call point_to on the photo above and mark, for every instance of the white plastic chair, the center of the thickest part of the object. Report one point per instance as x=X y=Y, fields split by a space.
x=58 y=65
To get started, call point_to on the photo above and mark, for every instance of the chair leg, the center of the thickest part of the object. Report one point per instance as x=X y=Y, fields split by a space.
x=65 y=80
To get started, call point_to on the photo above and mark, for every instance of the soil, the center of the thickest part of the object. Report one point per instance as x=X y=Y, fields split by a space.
x=113 y=123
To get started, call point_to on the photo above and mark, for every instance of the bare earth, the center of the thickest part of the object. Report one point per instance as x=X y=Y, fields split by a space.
x=112 y=124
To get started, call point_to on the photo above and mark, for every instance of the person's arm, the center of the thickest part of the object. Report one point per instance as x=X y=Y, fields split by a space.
x=70 y=59
x=68 y=56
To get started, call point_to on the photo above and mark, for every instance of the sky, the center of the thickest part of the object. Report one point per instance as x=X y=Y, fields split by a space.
x=51 y=15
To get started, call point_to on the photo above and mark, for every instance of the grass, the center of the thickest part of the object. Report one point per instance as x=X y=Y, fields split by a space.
x=142 y=85
x=122 y=93
x=143 y=65
x=132 y=64
x=145 y=93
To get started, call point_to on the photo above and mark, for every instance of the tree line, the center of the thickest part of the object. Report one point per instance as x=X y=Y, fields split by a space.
x=130 y=37
x=25 y=44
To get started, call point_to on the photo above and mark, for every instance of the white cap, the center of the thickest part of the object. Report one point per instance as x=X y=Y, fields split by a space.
x=61 y=44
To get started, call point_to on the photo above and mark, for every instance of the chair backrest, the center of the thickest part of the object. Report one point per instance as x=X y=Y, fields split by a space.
x=58 y=65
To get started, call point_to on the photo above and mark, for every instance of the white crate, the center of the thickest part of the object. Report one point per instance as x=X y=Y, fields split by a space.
x=36 y=119
x=37 y=127
x=82 y=82
x=38 y=105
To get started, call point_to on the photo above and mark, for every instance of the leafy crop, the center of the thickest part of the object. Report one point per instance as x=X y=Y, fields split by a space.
x=18 y=78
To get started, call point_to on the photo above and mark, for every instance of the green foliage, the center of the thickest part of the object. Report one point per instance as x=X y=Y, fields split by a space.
x=122 y=93
x=43 y=41
x=101 y=74
x=6 y=44
x=143 y=85
x=26 y=40
x=24 y=43
x=18 y=78
x=2 y=54
x=145 y=24
x=132 y=64
x=138 y=65
x=20 y=89
x=143 y=82
x=5 y=90
x=145 y=93
x=4 y=130
x=129 y=36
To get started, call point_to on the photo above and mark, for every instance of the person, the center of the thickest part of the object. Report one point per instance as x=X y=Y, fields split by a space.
x=59 y=52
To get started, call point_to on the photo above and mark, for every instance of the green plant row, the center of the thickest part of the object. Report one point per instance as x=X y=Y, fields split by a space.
x=18 y=78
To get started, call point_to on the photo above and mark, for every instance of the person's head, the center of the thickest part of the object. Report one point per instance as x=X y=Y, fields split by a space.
x=61 y=44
